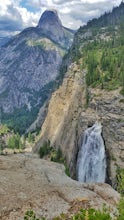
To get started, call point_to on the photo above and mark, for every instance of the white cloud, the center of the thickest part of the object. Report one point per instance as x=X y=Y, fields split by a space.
x=28 y=18
x=75 y=13
x=16 y=15
x=65 y=10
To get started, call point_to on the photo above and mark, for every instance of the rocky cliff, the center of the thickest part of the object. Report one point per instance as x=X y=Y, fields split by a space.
x=69 y=116
x=29 y=63
x=91 y=90
x=61 y=123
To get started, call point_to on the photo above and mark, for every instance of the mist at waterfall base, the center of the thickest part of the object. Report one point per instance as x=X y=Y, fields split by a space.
x=91 y=163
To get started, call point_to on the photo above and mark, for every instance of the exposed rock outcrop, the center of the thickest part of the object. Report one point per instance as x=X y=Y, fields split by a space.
x=61 y=123
x=27 y=182
x=68 y=117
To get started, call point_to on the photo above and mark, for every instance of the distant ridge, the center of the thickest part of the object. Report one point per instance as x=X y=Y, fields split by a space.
x=29 y=65
x=109 y=18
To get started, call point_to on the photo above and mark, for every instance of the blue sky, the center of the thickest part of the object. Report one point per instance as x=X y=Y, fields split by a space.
x=15 y=15
x=26 y=4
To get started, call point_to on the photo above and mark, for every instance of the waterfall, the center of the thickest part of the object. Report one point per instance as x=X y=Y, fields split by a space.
x=91 y=163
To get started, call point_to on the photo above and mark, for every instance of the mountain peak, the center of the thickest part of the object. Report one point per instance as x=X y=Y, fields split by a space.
x=48 y=18
x=51 y=26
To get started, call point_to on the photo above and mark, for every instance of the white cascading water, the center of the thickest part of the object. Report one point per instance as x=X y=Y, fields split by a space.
x=91 y=163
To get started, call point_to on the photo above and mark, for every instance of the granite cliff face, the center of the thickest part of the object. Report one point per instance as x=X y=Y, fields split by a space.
x=51 y=26
x=65 y=107
x=69 y=116
x=91 y=91
x=29 y=63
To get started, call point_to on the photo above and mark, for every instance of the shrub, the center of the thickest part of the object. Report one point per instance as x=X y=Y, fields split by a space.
x=30 y=137
x=66 y=170
x=57 y=156
x=121 y=209
x=15 y=142
x=90 y=214
x=30 y=215
x=120 y=181
x=3 y=130
x=45 y=149
x=1 y=149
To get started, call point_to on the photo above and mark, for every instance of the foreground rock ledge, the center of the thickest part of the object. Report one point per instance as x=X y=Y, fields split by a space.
x=27 y=182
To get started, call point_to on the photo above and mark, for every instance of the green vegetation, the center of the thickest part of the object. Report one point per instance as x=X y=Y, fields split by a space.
x=30 y=215
x=104 y=62
x=120 y=181
x=46 y=44
x=84 y=214
x=57 y=156
x=10 y=139
x=101 y=50
x=45 y=149
x=30 y=137
x=91 y=214
x=15 y=142
x=120 y=189
x=1 y=148
x=3 y=130
x=121 y=209
x=22 y=118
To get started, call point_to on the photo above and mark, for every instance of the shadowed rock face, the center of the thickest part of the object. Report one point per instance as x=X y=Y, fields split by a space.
x=27 y=182
x=51 y=25
x=49 y=17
